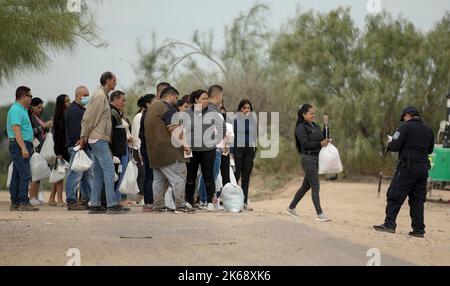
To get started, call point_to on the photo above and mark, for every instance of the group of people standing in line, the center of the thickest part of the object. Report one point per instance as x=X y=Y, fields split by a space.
x=97 y=124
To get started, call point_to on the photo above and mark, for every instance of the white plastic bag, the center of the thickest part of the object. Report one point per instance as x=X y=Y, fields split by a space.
x=232 y=195
x=59 y=172
x=39 y=168
x=47 y=150
x=8 y=180
x=129 y=185
x=56 y=176
x=329 y=160
x=168 y=199
x=81 y=162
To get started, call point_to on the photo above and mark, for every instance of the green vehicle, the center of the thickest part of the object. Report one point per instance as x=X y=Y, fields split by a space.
x=440 y=167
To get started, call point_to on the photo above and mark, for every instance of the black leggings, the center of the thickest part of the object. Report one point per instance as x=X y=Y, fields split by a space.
x=310 y=166
x=204 y=159
x=243 y=157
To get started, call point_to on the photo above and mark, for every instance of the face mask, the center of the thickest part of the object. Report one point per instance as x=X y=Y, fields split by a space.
x=85 y=101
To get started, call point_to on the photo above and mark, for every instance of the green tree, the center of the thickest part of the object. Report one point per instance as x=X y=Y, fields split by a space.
x=33 y=30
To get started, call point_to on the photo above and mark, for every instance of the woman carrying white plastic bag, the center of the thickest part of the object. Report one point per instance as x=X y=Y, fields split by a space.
x=310 y=138
x=129 y=184
x=329 y=160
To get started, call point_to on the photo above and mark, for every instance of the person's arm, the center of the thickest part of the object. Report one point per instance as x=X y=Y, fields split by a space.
x=91 y=117
x=20 y=142
x=431 y=147
x=398 y=139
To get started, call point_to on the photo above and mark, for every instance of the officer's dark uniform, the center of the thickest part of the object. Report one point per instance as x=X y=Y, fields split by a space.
x=414 y=141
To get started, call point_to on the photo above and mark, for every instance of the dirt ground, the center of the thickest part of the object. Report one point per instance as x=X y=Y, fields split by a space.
x=263 y=237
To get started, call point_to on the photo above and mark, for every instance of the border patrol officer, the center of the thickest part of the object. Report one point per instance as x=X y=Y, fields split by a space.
x=414 y=141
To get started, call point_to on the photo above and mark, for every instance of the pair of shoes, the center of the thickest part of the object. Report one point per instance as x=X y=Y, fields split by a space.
x=211 y=208
x=323 y=218
x=185 y=209
x=384 y=228
x=291 y=212
x=417 y=234
x=27 y=208
x=14 y=208
x=97 y=210
x=164 y=210
x=247 y=207
x=35 y=202
x=76 y=207
x=117 y=209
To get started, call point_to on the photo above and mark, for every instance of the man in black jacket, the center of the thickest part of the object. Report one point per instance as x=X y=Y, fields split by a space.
x=119 y=138
x=414 y=141
x=72 y=122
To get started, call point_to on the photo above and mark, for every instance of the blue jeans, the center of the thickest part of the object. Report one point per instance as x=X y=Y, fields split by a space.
x=74 y=179
x=124 y=162
x=103 y=174
x=202 y=187
x=21 y=175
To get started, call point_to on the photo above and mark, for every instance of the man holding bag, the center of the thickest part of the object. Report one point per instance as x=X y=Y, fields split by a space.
x=96 y=131
x=72 y=122
x=20 y=134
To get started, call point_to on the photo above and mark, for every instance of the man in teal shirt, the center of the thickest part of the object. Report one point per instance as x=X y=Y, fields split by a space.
x=20 y=134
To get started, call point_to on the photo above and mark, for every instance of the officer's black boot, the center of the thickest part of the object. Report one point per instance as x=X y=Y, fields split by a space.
x=417 y=234
x=383 y=228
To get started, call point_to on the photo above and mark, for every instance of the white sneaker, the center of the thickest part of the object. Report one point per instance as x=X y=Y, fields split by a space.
x=210 y=208
x=323 y=218
x=35 y=202
x=188 y=205
x=291 y=212
x=202 y=206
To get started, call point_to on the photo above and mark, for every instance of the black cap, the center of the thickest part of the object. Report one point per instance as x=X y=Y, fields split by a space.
x=409 y=109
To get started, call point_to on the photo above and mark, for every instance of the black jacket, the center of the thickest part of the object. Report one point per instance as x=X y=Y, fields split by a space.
x=310 y=136
x=119 y=134
x=414 y=141
x=72 y=123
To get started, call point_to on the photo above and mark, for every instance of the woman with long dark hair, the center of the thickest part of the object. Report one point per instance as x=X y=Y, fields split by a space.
x=147 y=101
x=244 y=149
x=40 y=129
x=309 y=139
x=59 y=138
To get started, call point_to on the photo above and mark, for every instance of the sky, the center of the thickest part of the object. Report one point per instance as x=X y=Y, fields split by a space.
x=122 y=23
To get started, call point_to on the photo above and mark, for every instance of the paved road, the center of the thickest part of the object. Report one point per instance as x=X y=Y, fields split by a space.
x=250 y=238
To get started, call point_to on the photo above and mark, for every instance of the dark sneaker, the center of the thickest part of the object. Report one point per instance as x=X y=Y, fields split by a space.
x=147 y=208
x=417 y=234
x=14 y=208
x=185 y=209
x=164 y=210
x=27 y=208
x=383 y=228
x=117 y=209
x=75 y=207
x=97 y=210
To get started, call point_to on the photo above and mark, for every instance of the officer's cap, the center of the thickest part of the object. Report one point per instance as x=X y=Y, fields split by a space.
x=409 y=109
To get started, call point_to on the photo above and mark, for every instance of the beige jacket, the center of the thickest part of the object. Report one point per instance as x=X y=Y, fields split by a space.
x=96 y=123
